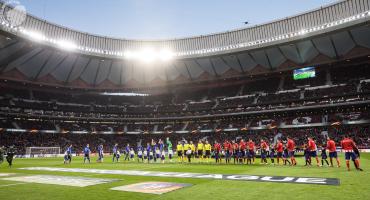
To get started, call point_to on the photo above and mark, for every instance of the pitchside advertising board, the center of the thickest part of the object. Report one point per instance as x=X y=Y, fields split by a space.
x=238 y=177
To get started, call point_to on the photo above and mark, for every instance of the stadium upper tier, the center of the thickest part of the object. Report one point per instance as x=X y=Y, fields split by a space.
x=334 y=16
x=35 y=50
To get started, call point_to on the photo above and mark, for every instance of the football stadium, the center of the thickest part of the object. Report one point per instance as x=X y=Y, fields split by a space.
x=277 y=109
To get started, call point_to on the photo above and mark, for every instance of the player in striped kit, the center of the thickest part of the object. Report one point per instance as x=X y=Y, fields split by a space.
x=349 y=147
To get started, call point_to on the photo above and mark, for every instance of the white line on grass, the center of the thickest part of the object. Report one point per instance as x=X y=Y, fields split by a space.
x=12 y=184
x=152 y=167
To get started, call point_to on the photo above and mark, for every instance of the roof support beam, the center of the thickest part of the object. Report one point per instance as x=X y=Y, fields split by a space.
x=85 y=67
x=59 y=63
x=224 y=61
x=268 y=59
x=13 y=42
x=213 y=67
x=97 y=72
x=43 y=65
x=28 y=59
x=299 y=54
x=314 y=46
x=200 y=66
x=251 y=56
x=187 y=69
x=110 y=69
x=19 y=53
x=335 y=49
x=282 y=53
x=352 y=38
x=72 y=68
x=239 y=63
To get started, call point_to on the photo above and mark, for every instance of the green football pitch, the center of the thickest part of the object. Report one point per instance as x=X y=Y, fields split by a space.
x=353 y=184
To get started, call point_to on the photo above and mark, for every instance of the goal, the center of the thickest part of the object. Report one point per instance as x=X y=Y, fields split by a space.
x=42 y=151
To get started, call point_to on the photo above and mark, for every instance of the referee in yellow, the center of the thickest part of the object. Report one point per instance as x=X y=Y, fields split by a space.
x=192 y=147
x=180 y=151
x=208 y=148
x=200 y=150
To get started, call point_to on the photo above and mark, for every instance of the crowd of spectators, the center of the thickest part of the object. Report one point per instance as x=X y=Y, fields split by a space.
x=256 y=102
x=212 y=124
x=267 y=93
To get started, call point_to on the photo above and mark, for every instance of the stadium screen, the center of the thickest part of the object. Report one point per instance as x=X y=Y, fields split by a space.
x=303 y=73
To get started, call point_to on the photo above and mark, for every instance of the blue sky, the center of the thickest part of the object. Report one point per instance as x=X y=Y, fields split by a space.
x=159 y=19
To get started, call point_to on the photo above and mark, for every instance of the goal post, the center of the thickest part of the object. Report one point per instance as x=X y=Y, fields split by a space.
x=42 y=151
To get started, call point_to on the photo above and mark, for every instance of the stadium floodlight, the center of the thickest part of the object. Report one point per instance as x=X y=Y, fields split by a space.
x=147 y=55
x=128 y=55
x=166 y=55
x=35 y=35
x=67 y=45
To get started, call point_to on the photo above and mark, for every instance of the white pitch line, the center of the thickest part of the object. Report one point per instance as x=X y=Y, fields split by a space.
x=12 y=184
x=90 y=175
x=152 y=167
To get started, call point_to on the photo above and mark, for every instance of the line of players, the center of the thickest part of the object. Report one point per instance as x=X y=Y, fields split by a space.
x=242 y=152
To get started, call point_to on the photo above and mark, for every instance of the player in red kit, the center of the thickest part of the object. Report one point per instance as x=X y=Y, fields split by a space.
x=279 y=149
x=228 y=151
x=243 y=147
x=251 y=151
x=313 y=150
x=348 y=147
x=330 y=145
x=291 y=150
x=264 y=151
x=235 y=151
x=217 y=150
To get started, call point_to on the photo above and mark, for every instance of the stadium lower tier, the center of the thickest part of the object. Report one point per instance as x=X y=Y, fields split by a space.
x=359 y=133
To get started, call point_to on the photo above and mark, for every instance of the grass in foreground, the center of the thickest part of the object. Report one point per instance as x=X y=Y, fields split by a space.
x=354 y=184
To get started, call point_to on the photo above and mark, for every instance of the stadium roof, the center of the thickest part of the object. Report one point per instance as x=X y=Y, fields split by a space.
x=38 y=51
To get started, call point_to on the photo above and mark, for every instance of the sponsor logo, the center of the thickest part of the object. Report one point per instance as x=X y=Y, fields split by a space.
x=238 y=177
x=151 y=187
x=60 y=180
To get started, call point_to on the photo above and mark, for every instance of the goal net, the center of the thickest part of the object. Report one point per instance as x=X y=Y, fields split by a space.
x=42 y=151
